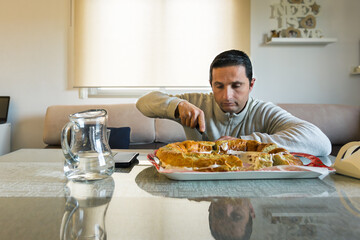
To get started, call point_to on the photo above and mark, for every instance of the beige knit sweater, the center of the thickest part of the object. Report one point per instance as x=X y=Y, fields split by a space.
x=261 y=121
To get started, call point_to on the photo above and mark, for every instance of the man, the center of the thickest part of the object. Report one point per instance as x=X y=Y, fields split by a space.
x=229 y=113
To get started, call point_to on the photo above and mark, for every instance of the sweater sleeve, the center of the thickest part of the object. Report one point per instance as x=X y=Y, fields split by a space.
x=158 y=105
x=289 y=132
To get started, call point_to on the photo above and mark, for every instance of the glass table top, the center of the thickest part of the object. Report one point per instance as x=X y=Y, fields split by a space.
x=37 y=202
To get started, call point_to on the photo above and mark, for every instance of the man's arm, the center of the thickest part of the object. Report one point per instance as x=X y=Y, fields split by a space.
x=290 y=132
x=158 y=104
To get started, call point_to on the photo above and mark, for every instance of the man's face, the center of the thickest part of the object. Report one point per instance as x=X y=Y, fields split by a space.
x=231 y=88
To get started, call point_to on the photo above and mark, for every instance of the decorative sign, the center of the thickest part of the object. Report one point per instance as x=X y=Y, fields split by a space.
x=296 y=18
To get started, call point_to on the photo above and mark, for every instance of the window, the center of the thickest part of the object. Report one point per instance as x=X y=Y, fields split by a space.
x=154 y=43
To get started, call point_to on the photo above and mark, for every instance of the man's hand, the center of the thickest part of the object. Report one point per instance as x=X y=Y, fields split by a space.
x=227 y=138
x=191 y=115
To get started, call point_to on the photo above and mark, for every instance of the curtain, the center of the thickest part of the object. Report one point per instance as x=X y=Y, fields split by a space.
x=154 y=43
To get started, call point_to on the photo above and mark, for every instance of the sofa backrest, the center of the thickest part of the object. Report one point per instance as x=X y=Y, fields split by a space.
x=143 y=129
x=340 y=123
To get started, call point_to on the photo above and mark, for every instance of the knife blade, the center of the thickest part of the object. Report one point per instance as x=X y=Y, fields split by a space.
x=204 y=136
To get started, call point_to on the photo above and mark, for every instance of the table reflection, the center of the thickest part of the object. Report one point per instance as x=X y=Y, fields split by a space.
x=159 y=185
x=85 y=209
x=284 y=208
x=231 y=218
x=349 y=193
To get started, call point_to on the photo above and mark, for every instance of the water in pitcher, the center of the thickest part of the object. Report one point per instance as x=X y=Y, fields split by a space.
x=89 y=166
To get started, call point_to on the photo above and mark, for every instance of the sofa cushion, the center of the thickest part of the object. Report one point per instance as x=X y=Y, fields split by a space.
x=119 y=138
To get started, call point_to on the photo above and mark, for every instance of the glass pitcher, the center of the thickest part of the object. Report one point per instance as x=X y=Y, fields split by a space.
x=88 y=157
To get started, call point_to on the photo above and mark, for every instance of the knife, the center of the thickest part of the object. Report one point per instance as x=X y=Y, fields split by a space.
x=204 y=136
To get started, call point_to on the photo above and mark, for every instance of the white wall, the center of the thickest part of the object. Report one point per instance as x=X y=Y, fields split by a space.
x=308 y=74
x=33 y=65
x=33 y=62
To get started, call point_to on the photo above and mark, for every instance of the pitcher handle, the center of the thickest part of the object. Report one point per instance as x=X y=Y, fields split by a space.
x=64 y=142
x=70 y=207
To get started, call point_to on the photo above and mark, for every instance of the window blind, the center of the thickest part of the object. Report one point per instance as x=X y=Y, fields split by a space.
x=154 y=43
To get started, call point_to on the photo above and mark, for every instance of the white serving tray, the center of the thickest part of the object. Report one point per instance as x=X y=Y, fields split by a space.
x=282 y=173
x=240 y=175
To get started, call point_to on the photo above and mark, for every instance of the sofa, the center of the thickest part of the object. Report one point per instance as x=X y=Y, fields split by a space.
x=144 y=132
x=341 y=123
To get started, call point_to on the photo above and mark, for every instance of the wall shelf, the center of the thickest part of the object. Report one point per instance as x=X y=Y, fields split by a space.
x=355 y=71
x=300 y=41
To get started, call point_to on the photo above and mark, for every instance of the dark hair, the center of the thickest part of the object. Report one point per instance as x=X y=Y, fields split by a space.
x=232 y=58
